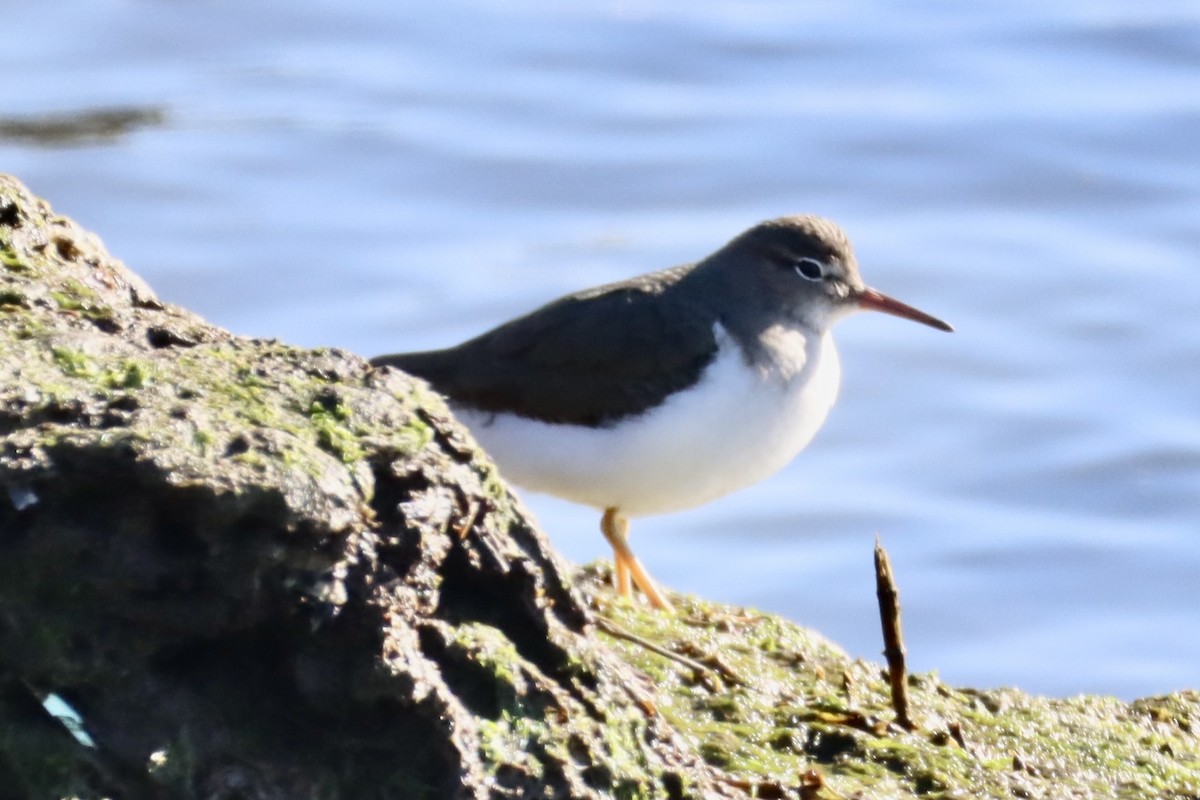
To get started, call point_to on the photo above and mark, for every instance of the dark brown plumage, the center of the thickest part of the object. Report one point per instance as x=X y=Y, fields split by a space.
x=590 y=358
x=600 y=355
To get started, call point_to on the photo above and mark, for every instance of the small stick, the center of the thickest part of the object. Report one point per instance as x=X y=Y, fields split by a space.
x=893 y=637
x=612 y=629
x=468 y=519
x=811 y=784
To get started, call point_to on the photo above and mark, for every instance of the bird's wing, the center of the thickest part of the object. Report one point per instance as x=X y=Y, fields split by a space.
x=588 y=359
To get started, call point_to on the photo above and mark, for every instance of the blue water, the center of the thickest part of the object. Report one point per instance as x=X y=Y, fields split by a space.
x=382 y=177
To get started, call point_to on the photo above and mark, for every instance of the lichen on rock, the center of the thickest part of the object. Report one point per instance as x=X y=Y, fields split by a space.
x=256 y=570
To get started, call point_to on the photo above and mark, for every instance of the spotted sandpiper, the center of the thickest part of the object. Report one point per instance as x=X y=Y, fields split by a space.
x=666 y=390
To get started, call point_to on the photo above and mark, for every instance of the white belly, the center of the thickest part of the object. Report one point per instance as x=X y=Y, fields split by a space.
x=735 y=427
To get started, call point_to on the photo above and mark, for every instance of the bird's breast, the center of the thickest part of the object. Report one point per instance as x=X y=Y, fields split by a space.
x=742 y=421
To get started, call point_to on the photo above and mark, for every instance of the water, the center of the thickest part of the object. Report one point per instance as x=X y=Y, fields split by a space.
x=379 y=177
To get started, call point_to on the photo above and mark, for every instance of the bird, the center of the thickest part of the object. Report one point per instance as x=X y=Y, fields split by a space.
x=666 y=390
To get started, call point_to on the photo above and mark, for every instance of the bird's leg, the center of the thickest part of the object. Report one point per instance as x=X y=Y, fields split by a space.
x=615 y=528
x=622 y=580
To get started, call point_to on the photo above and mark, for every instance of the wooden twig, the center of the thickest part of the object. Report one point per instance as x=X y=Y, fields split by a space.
x=612 y=629
x=468 y=519
x=810 y=786
x=893 y=637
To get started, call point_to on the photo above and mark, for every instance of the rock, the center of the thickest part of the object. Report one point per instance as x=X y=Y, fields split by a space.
x=258 y=571
x=261 y=571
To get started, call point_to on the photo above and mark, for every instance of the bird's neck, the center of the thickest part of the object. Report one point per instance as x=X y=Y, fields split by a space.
x=789 y=347
x=781 y=351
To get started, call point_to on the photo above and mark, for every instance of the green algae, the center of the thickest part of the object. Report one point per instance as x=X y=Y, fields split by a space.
x=128 y=374
x=71 y=296
x=490 y=649
x=219 y=403
x=73 y=363
x=791 y=702
x=537 y=737
x=11 y=260
x=334 y=435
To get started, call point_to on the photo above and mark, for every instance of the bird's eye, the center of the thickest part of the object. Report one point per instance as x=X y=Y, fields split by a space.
x=809 y=268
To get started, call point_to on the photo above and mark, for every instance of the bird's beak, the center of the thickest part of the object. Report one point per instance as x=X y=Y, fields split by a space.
x=878 y=301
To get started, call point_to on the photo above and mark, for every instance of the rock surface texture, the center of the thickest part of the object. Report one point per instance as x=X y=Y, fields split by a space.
x=258 y=571
x=261 y=571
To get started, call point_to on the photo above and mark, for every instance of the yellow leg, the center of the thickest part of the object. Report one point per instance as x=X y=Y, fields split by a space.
x=616 y=528
x=622 y=580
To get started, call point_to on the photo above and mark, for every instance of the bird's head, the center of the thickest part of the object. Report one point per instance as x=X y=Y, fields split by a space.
x=804 y=267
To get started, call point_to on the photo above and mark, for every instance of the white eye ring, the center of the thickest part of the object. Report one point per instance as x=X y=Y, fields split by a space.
x=809 y=268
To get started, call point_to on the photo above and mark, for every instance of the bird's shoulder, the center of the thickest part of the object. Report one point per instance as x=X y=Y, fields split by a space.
x=589 y=358
x=604 y=323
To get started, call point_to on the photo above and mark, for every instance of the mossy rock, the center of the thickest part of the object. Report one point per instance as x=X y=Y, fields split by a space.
x=262 y=571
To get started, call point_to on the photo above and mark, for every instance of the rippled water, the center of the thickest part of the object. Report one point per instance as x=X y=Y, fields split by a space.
x=382 y=178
